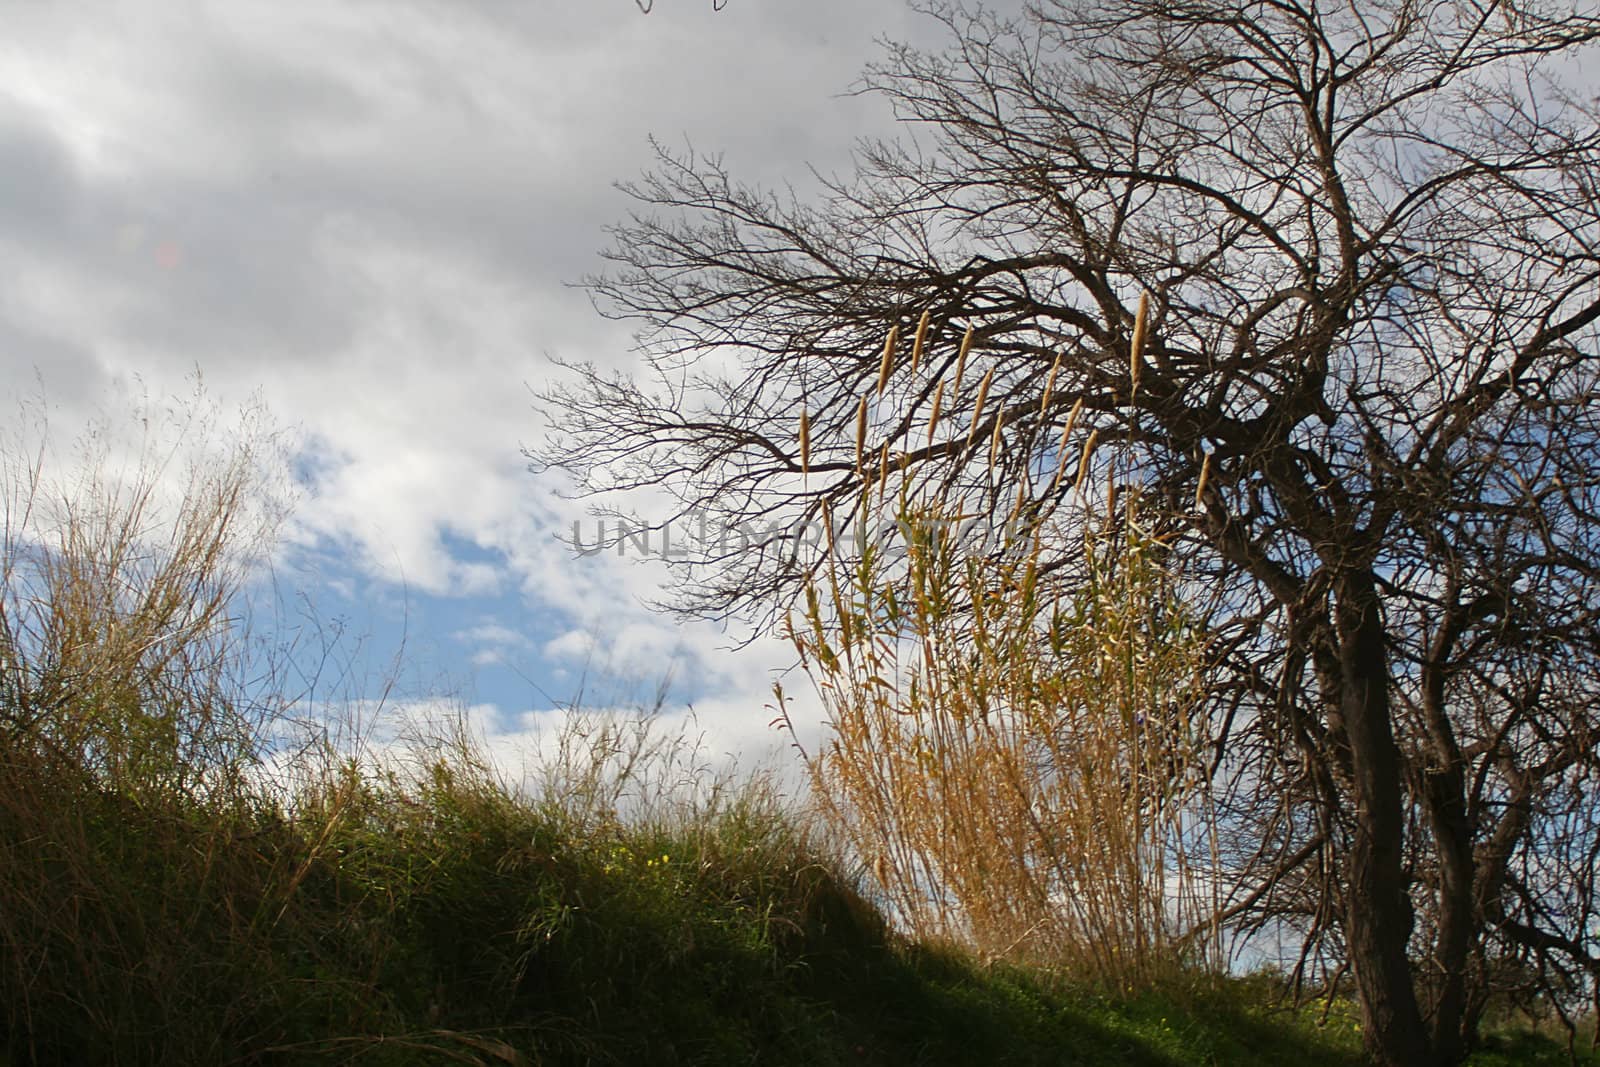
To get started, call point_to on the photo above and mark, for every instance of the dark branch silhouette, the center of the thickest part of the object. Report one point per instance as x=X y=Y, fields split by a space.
x=648 y=6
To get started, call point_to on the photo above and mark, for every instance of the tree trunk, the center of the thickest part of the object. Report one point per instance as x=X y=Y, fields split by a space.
x=1457 y=914
x=1378 y=913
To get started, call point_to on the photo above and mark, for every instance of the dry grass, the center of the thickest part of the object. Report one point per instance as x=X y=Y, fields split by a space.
x=1020 y=767
x=119 y=641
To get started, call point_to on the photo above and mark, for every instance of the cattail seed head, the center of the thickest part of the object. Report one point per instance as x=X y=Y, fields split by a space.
x=888 y=357
x=1061 y=461
x=933 y=416
x=994 y=439
x=977 y=409
x=916 y=345
x=1049 y=385
x=1200 y=486
x=961 y=360
x=1072 y=417
x=1136 y=346
x=805 y=442
x=861 y=434
x=1083 y=463
x=1016 y=508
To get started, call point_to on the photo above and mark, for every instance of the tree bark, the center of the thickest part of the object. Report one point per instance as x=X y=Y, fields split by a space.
x=1444 y=795
x=1378 y=915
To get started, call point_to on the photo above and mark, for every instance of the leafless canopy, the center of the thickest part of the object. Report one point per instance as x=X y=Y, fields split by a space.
x=1369 y=235
x=648 y=6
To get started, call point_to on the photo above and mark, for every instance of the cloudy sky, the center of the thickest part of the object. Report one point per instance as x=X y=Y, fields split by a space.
x=370 y=213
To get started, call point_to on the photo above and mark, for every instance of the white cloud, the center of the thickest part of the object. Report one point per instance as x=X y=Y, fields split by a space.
x=369 y=213
x=493 y=634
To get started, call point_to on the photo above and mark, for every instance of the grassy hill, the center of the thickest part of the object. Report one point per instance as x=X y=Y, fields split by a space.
x=384 y=916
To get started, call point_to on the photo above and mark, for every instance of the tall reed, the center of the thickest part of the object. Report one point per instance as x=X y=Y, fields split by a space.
x=1021 y=766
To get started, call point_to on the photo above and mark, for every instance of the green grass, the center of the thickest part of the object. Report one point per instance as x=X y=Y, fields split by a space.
x=438 y=918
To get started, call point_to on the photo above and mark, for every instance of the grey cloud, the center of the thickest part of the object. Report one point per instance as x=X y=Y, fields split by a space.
x=234 y=258
x=372 y=208
x=38 y=183
x=364 y=198
x=237 y=271
x=30 y=361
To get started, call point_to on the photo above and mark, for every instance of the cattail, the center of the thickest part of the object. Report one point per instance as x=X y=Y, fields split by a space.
x=933 y=416
x=1066 y=432
x=916 y=345
x=1061 y=460
x=861 y=435
x=977 y=410
x=805 y=442
x=888 y=357
x=1072 y=416
x=1205 y=476
x=994 y=439
x=1083 y=463
x=1136 y=346
x=838 y=607
x=1050 y=384
x=1016 y=509
x=833 y=579
x=883 y=471
x=961 y=360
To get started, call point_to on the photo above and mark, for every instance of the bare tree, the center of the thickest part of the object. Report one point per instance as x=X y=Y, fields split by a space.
x=1369 y=405
x=648 y=6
